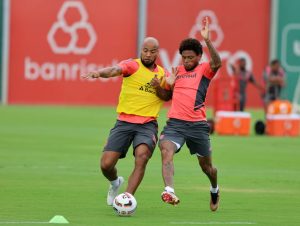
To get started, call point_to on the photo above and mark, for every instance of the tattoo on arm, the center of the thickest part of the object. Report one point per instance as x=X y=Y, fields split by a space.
x=110 y=72
x=215 y=62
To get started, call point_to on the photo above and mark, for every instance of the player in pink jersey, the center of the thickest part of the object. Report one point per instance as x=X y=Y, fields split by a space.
x=187 y=118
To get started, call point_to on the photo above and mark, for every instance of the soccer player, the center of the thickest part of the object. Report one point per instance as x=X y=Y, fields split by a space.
x=138 y=107
x=274 y=77
x=187 y=117
x=242 y=78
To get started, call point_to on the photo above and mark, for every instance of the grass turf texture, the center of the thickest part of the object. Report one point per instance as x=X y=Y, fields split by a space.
x=49 y=166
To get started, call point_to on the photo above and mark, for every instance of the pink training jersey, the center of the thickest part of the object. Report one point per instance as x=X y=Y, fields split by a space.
x=129 y=67
x=188 y=102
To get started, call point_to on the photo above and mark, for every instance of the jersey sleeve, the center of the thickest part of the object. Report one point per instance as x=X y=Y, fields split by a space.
x=208 y=72
x=128 y=67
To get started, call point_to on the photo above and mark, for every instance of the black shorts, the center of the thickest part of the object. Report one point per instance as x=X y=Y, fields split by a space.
x=124 y=134
x=195 y=134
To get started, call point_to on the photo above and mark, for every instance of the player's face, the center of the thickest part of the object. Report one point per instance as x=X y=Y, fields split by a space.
x=275 y=67
x=149 y=54
x=190 y=59
x=242 y=63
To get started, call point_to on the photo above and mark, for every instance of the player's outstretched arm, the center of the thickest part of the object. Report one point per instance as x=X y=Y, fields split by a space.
x=105 y=72
x=215 y=62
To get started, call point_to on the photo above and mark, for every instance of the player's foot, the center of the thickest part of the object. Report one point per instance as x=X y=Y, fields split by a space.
x=169 y=197
x=214 y=200
x=113 y=191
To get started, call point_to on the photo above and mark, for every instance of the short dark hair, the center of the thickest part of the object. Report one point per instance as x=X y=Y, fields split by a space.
x=191 y=44
x=275 y=61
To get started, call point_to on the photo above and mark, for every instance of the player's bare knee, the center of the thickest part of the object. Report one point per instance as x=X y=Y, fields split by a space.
x=167 y=155
x=142 y=158
x=106 y=166
x=165 y=151
x=166 y=148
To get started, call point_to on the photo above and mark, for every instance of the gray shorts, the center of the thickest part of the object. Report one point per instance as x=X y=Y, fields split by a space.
x=124 y=134
x=195 y=134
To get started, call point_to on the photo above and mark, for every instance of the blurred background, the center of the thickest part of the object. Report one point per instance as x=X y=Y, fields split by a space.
x=53 y=124
x=47 y=44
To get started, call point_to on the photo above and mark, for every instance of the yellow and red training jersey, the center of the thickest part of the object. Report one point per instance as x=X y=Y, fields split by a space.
x=138 y=102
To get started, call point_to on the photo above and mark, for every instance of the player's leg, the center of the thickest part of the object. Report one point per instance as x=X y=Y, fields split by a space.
x=144 y=143
x=242 y=101
x=108 y=162
x=171 y=140
x=118 y=143
x=168 y=149
x=198 y=142
x=212 y=174
x=142 y=156
x=210 y=171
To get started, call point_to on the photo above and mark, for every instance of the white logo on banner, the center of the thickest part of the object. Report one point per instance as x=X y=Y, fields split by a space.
x=78 y=31
x=194 y=33
x=213 y=26
x=72 y=30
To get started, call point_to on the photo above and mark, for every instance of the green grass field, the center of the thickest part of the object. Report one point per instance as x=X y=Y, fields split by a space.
x=49 y=166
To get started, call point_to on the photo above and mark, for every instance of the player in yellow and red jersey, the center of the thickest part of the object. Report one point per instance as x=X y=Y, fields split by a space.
x=138 y=108
x=187 y=118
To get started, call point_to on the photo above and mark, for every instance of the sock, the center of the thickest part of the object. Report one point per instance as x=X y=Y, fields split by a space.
x=115 y=183
x=169 y=189
x=214 y=190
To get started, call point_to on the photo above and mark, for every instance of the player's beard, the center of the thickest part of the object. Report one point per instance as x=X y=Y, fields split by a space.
x=190 y=67
x=147 y=63
x=242 y=68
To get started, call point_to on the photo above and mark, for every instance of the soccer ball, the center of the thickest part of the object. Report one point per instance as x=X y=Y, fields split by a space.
x=125 y=204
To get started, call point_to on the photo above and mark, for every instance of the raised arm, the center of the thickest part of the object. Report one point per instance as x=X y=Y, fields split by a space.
x=105 y=72
x=215 y=62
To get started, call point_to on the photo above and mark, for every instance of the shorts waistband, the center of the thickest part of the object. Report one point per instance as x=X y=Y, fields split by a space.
x=187 y=122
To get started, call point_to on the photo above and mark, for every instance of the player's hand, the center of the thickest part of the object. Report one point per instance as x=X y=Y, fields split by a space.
x=171 y=79
x=205 y=30
x=92 y=74
x=155 y=82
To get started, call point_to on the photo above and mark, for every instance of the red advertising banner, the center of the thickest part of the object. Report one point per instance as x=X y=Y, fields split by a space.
x=238 y=29
x=53 y=42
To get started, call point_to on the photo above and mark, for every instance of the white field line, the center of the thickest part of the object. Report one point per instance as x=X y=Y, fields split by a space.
x=212 y=223
x=23 y=222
